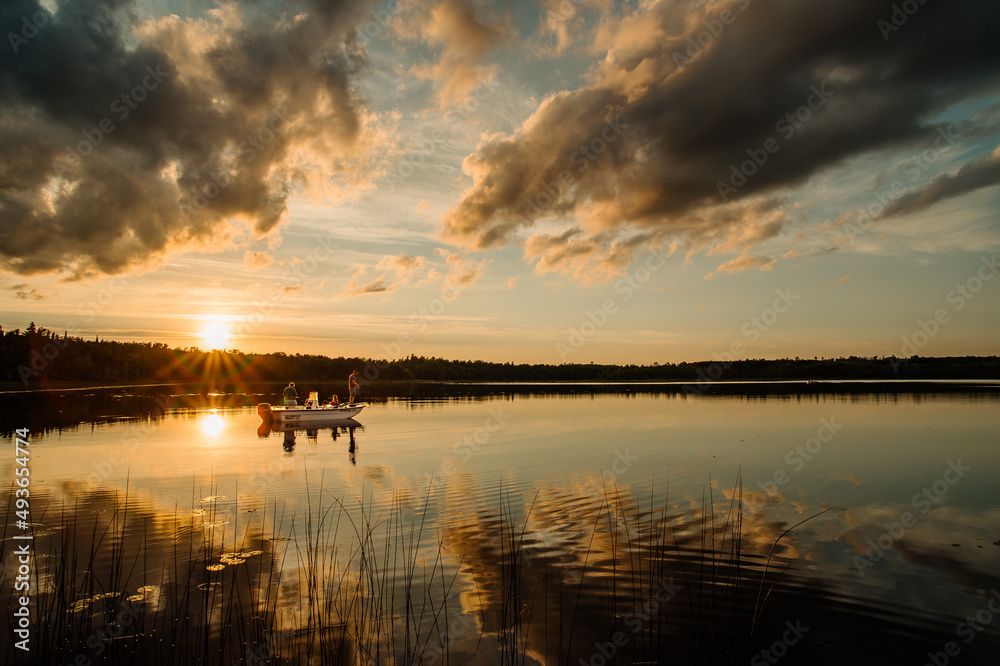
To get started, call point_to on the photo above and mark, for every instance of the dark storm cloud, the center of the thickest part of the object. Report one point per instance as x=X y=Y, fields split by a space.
x=801 y=85
x=123 y=139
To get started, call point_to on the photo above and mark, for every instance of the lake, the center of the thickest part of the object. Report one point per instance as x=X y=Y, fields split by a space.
x=536 y=524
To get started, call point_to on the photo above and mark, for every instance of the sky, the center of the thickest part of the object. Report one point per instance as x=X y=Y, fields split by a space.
x=565 y=181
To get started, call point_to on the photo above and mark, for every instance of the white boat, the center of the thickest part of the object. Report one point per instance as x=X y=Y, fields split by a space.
x=310 y=413
x=337 y=426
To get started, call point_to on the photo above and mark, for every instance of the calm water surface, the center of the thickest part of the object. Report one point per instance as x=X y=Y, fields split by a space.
x=558 y=524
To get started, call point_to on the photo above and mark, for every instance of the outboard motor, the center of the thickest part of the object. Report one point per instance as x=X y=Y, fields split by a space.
x=264 y=410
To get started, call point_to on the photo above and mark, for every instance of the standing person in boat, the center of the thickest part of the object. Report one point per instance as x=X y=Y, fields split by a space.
x=290 y=395
x=352 y=385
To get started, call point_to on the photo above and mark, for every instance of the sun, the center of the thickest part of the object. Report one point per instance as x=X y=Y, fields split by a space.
x=216 y=336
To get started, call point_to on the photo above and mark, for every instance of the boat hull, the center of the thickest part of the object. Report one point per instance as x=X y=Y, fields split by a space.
x=267 y=427
x=324 y=414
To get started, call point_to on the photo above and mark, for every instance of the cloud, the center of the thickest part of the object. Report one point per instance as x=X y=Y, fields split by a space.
x=403 y=265
x=838 y=281
x=746 y=232
x=26 y=292
x=644 y=144
x=356 y=288
x=983 y=172
x=257 y=260
x=462 y=272
x=463 y=34
x=567 y=251
x=458 y=274
x=461 y=278
x=404 y=268
x=126 y=139
x=563 y=23
x=745 y=262
x=376 y=287
x=586 y=259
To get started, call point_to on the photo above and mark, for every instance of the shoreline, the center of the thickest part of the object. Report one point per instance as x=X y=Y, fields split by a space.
x=11 y=388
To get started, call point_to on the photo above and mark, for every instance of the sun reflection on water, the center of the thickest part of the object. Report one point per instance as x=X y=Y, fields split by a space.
x=212 y=424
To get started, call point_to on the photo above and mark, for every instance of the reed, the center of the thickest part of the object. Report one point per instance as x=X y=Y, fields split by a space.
x=361 y=584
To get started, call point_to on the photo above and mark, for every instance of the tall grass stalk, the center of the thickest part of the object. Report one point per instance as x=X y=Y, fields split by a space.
x=367 y=584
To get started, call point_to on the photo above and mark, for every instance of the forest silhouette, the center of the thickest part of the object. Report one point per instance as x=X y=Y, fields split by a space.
x=38 y=355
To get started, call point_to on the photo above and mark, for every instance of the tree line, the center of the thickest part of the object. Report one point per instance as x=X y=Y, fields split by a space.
x=38 y=355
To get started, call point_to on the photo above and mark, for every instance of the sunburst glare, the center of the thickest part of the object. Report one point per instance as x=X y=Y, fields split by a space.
x=215 y=335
